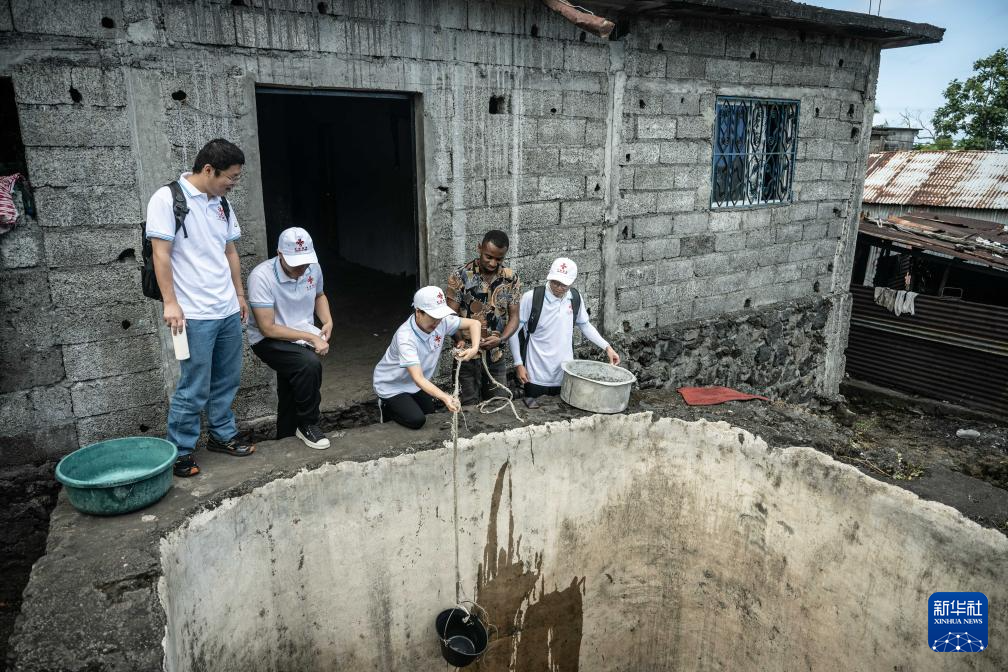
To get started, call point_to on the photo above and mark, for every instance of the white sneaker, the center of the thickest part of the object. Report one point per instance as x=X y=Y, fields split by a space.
x=313 y=437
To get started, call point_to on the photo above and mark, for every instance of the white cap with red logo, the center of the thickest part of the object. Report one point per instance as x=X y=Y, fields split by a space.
x=431 y=300
x=563 y=270
x=296 y=247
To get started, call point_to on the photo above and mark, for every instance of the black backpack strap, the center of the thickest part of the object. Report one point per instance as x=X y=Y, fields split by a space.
x=227 y=209
x=575 y=303
x=538 y=296
x=180 y=207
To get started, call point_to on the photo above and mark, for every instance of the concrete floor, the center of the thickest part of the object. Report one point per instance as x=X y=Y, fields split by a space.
x=609 y=543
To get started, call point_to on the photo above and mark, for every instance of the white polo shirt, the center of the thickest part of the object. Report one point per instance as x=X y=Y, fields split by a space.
x=200 y=269
x=552 y=343
x=411 y=347
x=292 y=301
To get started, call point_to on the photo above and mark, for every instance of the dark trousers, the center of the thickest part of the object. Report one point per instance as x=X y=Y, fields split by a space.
x=299 y=379
x=533 y=390
x=409 y=410
x=474 y=384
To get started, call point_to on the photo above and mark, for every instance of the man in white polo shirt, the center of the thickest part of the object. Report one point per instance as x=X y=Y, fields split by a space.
x=402 y=377
x=199 y=277
x=285 y=293
x=547 y=316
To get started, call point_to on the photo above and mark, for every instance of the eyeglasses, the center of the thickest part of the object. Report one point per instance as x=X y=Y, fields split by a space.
x=233 y=179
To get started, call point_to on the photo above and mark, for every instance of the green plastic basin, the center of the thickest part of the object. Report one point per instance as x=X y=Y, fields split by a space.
x=118 y=476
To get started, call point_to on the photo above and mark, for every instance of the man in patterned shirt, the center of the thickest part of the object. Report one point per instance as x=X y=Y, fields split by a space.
x=485 y=290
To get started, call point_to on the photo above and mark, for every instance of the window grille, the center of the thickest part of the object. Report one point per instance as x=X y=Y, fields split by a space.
x=754 y=151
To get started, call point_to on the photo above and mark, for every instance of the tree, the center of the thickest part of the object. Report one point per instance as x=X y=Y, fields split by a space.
x=977 y=109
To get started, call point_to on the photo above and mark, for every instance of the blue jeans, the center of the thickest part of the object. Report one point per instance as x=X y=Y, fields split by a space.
x=209 y=380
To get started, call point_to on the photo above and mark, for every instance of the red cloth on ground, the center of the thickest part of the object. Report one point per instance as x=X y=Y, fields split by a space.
x=708 y=396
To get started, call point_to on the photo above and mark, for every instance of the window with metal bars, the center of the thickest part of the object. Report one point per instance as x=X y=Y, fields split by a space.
x=754 y=151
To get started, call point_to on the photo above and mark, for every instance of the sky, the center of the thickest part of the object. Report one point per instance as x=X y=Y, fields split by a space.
x=915 y=78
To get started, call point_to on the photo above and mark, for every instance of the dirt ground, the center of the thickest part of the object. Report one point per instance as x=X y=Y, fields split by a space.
x=908 y=442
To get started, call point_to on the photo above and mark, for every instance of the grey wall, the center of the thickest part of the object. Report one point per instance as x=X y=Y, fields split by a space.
x=551 y=170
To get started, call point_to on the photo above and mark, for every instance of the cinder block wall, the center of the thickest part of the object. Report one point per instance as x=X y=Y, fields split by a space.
x=601 y=151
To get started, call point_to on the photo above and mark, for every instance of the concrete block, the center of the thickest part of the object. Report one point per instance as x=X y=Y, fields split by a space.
x=787 y=233
x=115 y=393
x=103 y=206
x=638 y=319
x=24 y=368
x=661 y=248
x=729 y=242
x=582 y=159
x=103 y=323
x=561 y=187
x=81 y=18
x=686 y=178
x=682 y=104
x=481 y=220
x=773 y=255
x=644 y=64
x=24 y=289
x=512 y=190
x=532 y=52
x=680 y=151
x=99 y=359
x=660 y=128
x=595 y=133
x=473 y=192
x=74 y=126
x=675 y=201
x=690 y=223
x=628 y=131
x=681 y=66
x=814 y=230
x=639 y=153
x=629 y=252
x=538 y=103
x=581 y=212
x=50 y=85
x=199 y=23
x=787 y=74
x=695 y=128
x=28 y=410
x=760 y=238
x=669 y=315
x=695 y=246
x=141 y=421
x=586 y=57
x=57 y=167
x=584 y=104
x=6 y=22
x=637 y=203
x=275 y=29
x=491 y=17
x=723 y=70
x=77 y=247
x=654 y=177
x=654 y=226
x=21 y=247
x=483 y=48
x=96 y=285
x=753 y=72
x=628 y=299
x=540 y=160
x=636 y=276
x=559 y=241
x=562 y=131
x=640 y=101
x=674 y=270
x=332 y=34
x=844 y=78
x=537 y=215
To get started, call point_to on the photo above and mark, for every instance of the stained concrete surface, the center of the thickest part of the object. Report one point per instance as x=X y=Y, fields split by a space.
x=104 y=612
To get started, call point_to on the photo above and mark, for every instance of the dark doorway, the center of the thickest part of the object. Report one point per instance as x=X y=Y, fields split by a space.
x=343 y=166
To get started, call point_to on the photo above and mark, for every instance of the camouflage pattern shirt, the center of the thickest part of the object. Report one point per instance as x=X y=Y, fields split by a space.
x=488 y=302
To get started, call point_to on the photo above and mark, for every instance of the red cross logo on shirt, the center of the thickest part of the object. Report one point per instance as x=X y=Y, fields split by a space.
x=311 y=280
x=220 y=213
x=299 y=245
x=563 y=268
x=437 y=339
x=440 y=297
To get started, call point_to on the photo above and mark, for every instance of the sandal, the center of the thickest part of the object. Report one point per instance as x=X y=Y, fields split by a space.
x=185 y=467
x=230 y=447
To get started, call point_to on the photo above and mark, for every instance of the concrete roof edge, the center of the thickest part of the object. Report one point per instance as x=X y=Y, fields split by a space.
x=887 y=32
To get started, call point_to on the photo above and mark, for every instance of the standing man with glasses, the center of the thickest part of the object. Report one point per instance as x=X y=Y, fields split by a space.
x=200 y=281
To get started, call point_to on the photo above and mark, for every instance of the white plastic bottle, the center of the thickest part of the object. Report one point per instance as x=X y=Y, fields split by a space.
x=181 y=343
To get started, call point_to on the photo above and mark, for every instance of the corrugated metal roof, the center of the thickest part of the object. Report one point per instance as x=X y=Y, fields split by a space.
x=974 y=240
x=952 y=179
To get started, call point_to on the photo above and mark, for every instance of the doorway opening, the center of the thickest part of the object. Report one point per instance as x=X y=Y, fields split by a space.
x=342 y=165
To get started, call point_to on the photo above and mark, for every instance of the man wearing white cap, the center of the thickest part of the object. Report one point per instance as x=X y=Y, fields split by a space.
x=544 y=340
x=285 y=294
x=402 y=377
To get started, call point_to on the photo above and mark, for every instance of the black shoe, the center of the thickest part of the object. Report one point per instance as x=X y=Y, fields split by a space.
x=186 y=466
x=230 y=447
x=532 y=402
x=312 y=436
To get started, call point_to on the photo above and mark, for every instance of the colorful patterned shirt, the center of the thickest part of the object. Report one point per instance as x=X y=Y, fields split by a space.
x=489 y=303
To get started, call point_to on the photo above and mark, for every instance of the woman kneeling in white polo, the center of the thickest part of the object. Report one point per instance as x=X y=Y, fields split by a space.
x=402 y=377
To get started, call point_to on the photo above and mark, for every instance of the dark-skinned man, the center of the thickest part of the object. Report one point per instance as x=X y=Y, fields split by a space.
x=487 y=291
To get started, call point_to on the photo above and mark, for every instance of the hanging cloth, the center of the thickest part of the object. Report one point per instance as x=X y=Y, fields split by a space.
x=9 y=214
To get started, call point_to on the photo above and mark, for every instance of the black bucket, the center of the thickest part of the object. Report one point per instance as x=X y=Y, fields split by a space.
x=463 y=636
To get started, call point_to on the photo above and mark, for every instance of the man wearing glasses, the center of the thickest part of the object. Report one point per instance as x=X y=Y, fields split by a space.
x=200 y=281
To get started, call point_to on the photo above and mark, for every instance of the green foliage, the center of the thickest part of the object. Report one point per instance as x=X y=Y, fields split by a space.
x=939 y=143
x=977 y=109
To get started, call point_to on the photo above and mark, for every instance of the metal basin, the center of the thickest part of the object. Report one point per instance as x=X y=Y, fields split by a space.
x=596 y=387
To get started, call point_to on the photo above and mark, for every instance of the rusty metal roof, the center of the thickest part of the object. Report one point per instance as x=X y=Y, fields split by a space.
x=975 y=240
x=949 y=179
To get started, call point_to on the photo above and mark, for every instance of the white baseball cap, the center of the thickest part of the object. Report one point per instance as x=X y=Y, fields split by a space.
x=431 y=300
x=296 y=247
x=563 y=270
